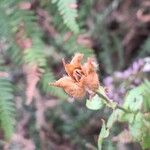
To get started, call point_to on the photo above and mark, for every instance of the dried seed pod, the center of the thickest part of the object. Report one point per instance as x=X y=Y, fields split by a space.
x=70 y=87
x=74 y=64
x=80 y=79
x=91 y=80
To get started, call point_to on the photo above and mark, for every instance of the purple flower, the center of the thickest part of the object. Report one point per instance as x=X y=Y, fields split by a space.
x=108 y=81
x=120 y=82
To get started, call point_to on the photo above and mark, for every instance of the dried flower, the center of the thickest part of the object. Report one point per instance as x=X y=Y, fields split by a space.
x=80 y=78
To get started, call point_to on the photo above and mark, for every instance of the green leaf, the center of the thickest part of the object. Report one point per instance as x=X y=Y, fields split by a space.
x=136 y=127
x=134 y=100
x=95 y=103
x=127 y=117
x=146 y=144
x=104 y=133
x=146 y=93
x=113 y=118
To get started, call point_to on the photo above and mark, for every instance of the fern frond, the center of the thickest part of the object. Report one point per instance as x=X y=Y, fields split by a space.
x=5 y=28
x=35 y=61
x=35 y=56
x=68 y=14
x=71 y=46
x=83 y=12
x=145 y=49
x=8 y=25
x=7 y=108
x=7 y=4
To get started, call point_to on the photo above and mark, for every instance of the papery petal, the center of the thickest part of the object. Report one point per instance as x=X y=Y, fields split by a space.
x=74 y=64
x=75 y=91
x=91 y=82
x=76 y=60
x=69 y=68
x=89 y=66
x=70 y=87
x=62 y=82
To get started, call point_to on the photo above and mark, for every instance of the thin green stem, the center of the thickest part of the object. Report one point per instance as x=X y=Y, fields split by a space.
x=123 y=109
x=111 y=103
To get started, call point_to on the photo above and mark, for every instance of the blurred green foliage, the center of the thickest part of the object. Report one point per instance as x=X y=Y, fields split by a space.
x=40 y=33
x=133 y=111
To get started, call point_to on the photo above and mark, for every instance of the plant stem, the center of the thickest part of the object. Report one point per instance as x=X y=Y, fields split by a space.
x=111 y=103
x=123 y=109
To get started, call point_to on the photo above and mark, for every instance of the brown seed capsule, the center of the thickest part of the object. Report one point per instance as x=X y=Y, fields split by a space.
x=80 y=79
x=70 y=87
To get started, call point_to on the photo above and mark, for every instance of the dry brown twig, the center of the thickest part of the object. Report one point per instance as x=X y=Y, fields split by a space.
x=21 y=38
x=46 y=23
x=20 y=141
x=33 y=74
x=41 y=106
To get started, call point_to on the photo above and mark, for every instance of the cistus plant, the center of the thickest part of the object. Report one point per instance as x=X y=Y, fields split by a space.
x=135 y=109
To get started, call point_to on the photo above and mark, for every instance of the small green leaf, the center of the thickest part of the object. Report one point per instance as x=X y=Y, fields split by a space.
x=95 y=103
x=137 y=126
x=146 y=92
x=104 y=133
x=113 y=118
x=134 y=100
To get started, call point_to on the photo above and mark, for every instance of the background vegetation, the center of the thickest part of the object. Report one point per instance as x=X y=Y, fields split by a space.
x=34 y=37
